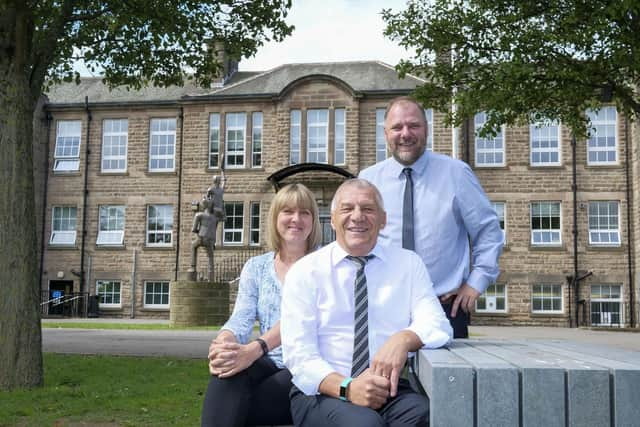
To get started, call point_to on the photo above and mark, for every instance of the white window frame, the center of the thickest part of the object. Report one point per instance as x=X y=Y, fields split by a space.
x=115 y=137
x=153 y=294
x=295 y=137
x=603 y=123
x=501 y=211
x=428 y=116
x=381 y=141
x=167 y=229
x=64 y=223
x=340 y=136
x=490 y=299
x=603 y=223
x=66 y=156
x=256 y=139
x=214 y=140
x=254 y=224
x=318 y=136
x=236 y=123
x=547 y=291
x=542 y=137
x=606 y=300
x=162 y=138
x=485 y=148
x=113 y=293
x=555 y=234
x=111 y=225
x=233 y=224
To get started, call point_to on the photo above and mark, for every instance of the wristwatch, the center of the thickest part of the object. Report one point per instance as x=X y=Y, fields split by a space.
x=343 y=388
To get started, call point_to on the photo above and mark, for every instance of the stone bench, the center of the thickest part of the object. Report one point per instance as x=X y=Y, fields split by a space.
x=530 y=383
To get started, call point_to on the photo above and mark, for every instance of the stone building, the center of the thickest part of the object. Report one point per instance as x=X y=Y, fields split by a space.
x=124 y=170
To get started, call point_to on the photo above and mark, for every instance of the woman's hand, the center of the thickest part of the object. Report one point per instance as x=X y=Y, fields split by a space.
x=226 y=359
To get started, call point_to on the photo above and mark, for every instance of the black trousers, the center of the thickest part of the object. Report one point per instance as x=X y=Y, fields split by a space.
x=460 y=323
x=257 y=395
x=406 y=409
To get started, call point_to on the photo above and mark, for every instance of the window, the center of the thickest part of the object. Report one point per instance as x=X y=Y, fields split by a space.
x=294 y=137
x=67 y=152
x=63 y=225
x=490 y=150
x=428 y=115
x=156 y=294
x=159 y=225
x=256 y=140
x=236 y=124
x=545 y=223
x=381 y=142
x=233 y=224
x=108 y=293
x=114 y=145
x=546 y=299
x=604 y=223
x=254 y=224
x=606 y=305
x=162 y=145
x=545 y=143
x=317 y=135
x=111 y=225
x=602 y=146
x=499 y=207
x=493 y=300
x=339 y=137
x=214 y=140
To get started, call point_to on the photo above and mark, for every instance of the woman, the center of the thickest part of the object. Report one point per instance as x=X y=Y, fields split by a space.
x=249 y=384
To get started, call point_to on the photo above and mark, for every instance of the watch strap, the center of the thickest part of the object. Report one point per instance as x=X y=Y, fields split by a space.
x=343 y=388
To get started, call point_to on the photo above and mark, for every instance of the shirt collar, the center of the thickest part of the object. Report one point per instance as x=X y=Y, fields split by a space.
x=418 y=168
x=338 y=254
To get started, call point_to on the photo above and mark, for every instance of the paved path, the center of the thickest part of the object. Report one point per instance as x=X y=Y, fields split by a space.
x=194 y=344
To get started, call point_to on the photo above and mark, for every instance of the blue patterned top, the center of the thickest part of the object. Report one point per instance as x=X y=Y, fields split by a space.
x=259 y=294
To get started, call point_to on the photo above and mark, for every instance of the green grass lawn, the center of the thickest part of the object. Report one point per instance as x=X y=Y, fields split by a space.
x=108 y=391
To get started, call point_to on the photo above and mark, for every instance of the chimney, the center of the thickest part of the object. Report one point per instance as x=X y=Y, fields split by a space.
x=228 y=65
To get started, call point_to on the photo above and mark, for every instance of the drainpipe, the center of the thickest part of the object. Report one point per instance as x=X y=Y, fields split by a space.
x=574 y=188
x=175 y=277
x=133 y=285
x=628 y=190
x=85 y=193
x=49 y=118
x=467 y=150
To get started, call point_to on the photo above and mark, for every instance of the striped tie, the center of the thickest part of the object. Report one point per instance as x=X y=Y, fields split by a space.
x=361 y=330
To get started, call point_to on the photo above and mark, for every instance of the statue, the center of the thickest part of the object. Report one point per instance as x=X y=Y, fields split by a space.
x=205 y=224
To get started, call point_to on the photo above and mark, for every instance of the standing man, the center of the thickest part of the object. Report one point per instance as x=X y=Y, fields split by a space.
x=351 y=312
x=436 y=207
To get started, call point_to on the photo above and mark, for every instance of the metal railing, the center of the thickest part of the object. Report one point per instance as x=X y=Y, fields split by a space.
x=73 y=304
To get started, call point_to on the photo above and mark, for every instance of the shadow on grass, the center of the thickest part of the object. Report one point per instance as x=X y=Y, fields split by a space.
x=110 y=391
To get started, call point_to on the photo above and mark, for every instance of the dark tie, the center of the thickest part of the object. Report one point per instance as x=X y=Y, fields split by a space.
x=361 y=329
x=407 y=212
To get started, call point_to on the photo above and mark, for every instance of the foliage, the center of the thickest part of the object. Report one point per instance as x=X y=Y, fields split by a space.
x=107 y=390
x=522 y=60
x=134 y=43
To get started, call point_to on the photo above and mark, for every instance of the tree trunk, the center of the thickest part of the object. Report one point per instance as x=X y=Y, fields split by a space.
x=20 y=333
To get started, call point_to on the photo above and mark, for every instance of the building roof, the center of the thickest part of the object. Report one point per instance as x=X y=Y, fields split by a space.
x=367 y=77
x=361 y=76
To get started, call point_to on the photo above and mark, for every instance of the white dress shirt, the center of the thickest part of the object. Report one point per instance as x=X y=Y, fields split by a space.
x=316 y=323
x=450 y=208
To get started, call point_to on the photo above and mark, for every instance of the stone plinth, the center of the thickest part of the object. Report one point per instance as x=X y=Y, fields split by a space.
x=198 y=303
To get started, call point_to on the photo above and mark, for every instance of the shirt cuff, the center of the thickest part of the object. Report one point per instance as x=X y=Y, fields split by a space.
x=434 y=337
x=314 y=372
x=478 y=281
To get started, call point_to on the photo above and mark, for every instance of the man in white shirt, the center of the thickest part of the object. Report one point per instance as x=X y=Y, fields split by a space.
x=320 y=343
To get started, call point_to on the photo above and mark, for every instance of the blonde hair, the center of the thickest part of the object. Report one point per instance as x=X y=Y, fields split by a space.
x=299 y=196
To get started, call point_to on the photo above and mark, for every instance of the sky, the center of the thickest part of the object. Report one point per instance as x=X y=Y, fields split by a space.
x=331 y=31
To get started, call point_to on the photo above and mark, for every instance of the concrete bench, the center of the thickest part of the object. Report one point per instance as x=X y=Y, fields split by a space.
x=530 y=383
